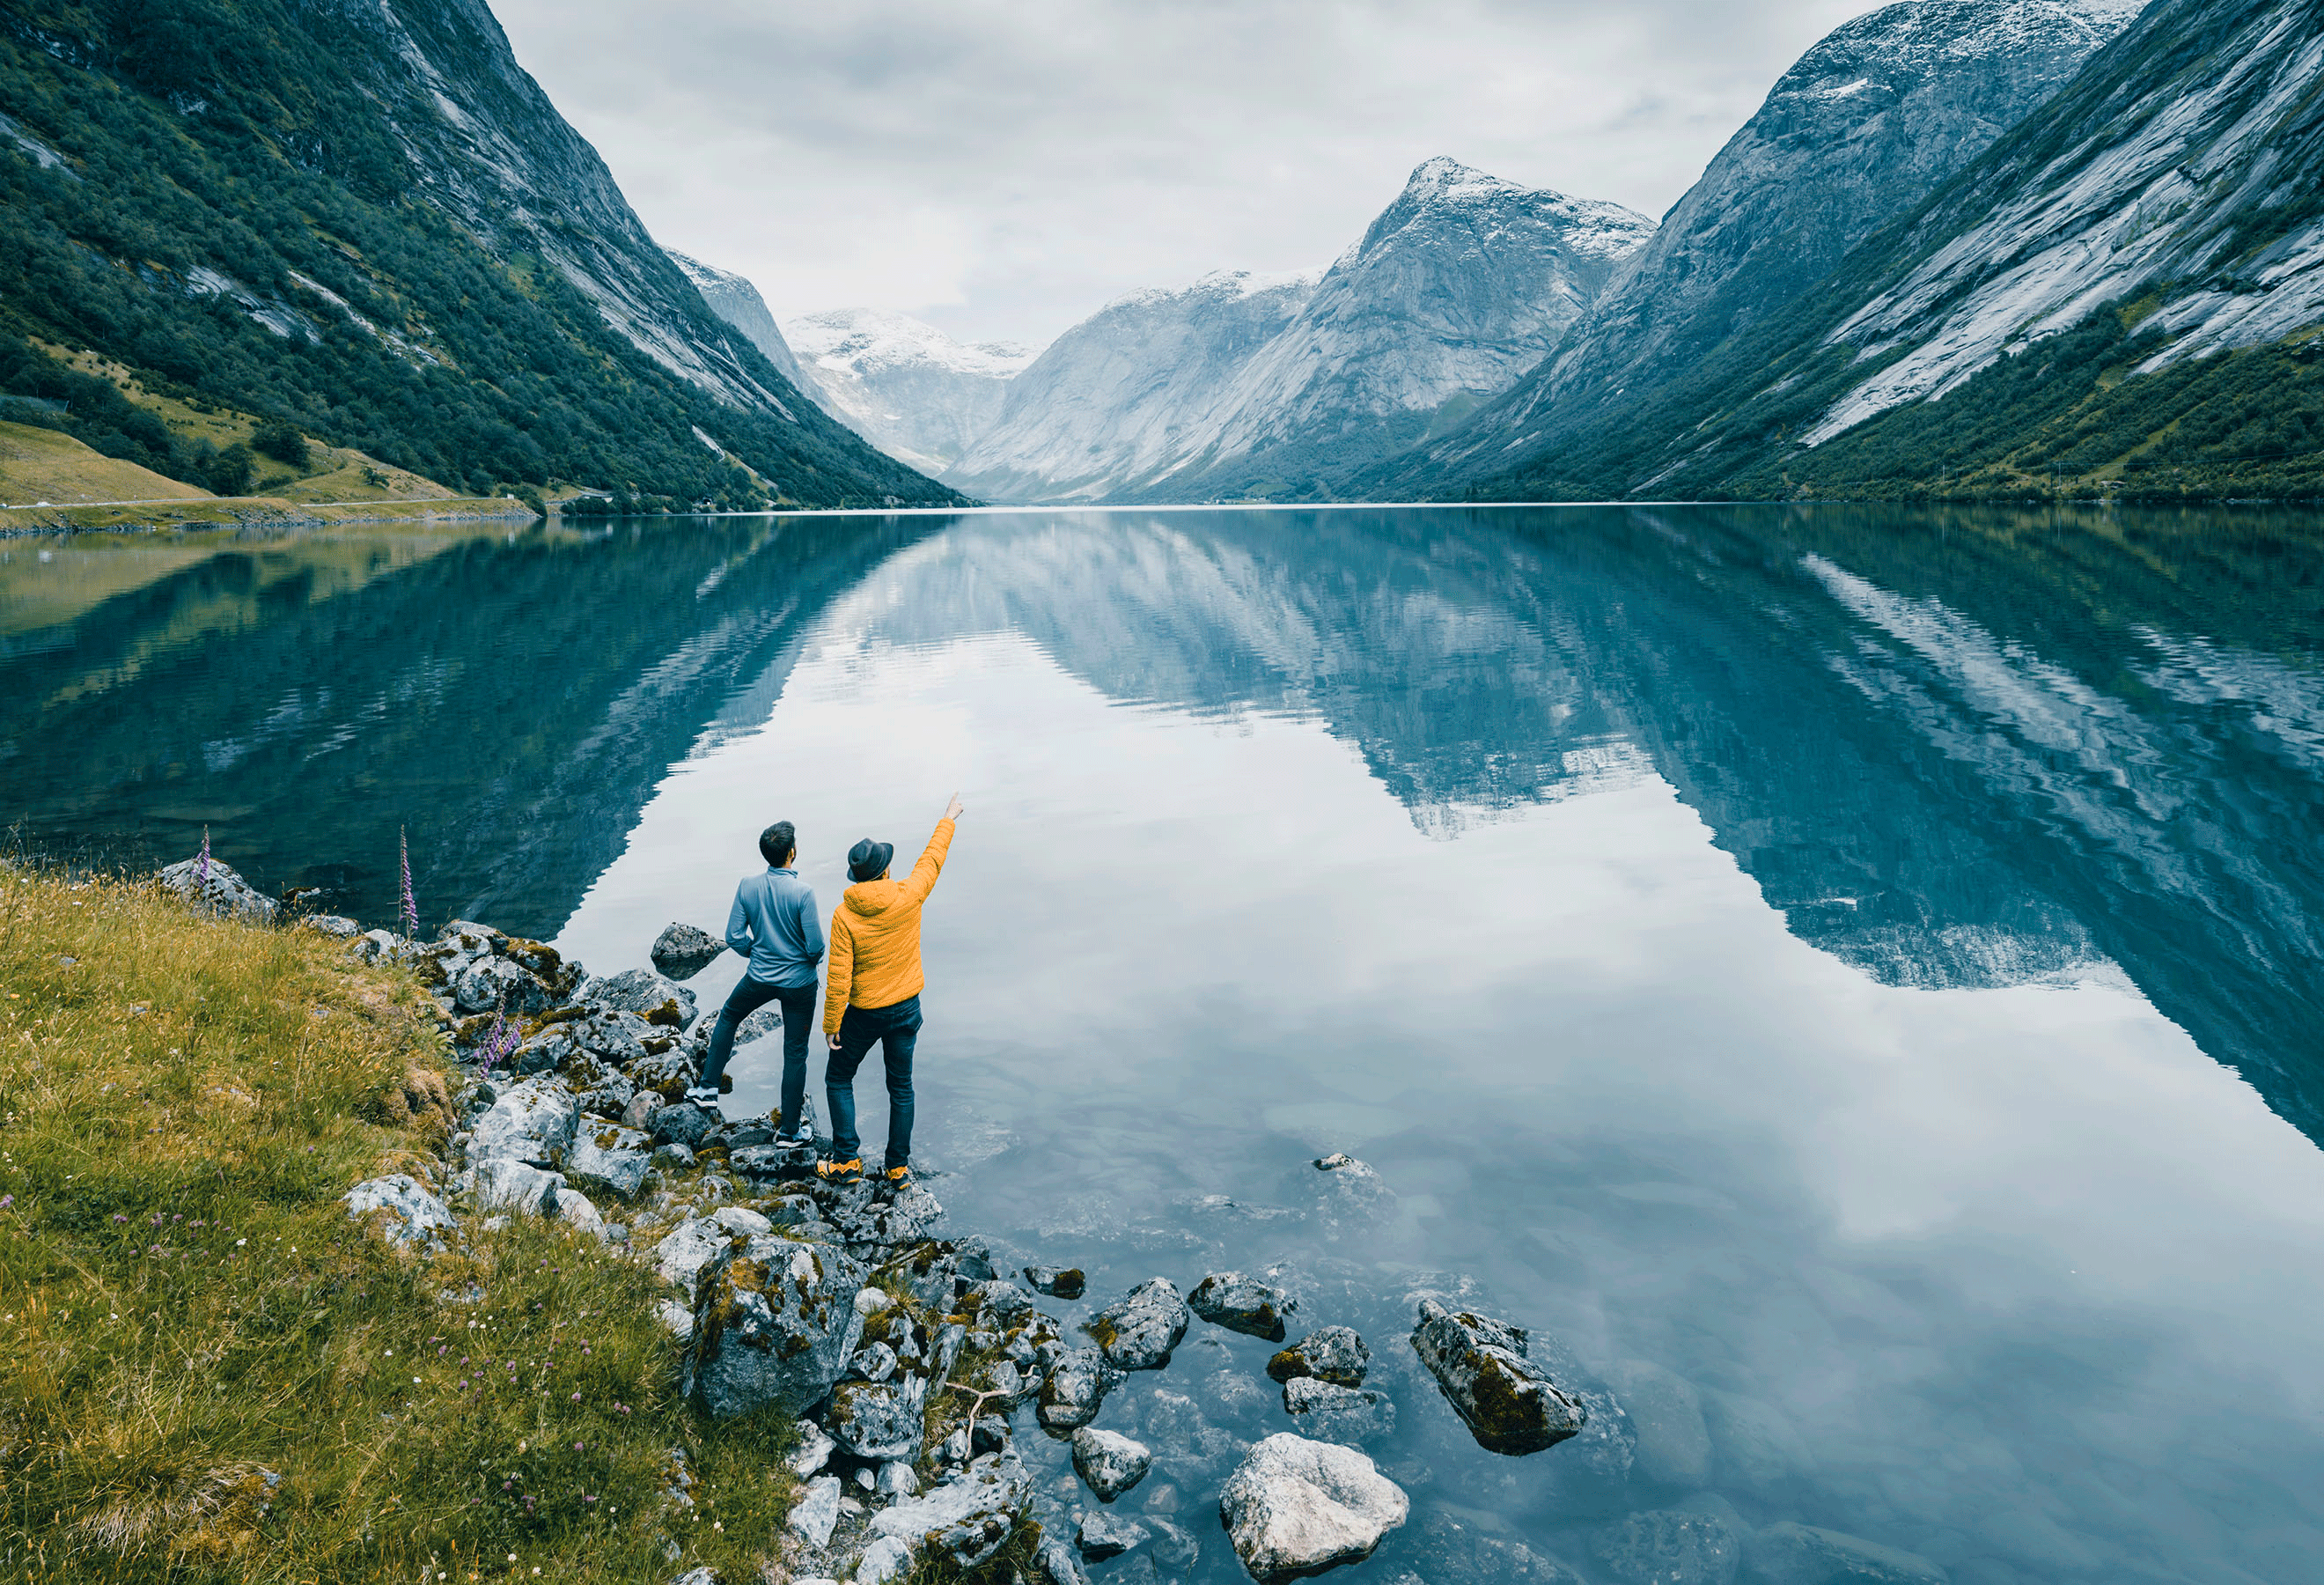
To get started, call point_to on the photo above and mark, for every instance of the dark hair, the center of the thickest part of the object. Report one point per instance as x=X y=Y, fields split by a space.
x=777 y=843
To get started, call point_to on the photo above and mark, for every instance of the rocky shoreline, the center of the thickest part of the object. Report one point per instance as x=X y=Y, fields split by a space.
x=945 y=1405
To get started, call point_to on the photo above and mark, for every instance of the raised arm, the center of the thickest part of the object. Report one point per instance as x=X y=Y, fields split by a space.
x=923 y=878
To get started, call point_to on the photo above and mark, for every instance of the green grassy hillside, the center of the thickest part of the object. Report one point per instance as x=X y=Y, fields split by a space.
x=259 y=206
x=211 y=1373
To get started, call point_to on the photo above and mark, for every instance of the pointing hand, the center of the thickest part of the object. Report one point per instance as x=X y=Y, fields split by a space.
x=955 y=809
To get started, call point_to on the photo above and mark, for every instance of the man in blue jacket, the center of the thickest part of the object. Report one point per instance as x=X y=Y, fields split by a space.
x=774 y=920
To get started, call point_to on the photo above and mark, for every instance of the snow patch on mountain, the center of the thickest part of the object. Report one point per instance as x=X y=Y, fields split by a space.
x=2158 y=203
x=903 y=384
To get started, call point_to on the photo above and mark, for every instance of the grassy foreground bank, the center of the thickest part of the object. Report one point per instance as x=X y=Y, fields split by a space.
x=209 y=1373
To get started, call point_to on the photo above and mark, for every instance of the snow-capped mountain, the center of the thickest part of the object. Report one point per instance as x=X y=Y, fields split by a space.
x=1111 y=398
x=906 y=386
x=737 y=301
x=1242 y=387
x=1860 y=130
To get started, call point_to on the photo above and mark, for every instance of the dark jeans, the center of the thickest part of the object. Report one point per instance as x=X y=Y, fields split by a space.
x=896 y=1031
x=799 y=1023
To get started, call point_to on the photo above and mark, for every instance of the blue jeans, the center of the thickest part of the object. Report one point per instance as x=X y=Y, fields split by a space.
x=799 y=1022
x=896 y=1031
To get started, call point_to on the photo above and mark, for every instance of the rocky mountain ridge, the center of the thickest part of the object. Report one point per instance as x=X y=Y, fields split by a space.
x=1243 y=387
x=1856 y=134
x=2118 y=295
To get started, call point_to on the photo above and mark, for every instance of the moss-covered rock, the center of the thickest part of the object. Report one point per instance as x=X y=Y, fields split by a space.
x=774 y=1323
x=1509 y=1403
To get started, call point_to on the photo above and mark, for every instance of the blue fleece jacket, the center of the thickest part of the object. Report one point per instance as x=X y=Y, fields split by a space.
x=775 y=919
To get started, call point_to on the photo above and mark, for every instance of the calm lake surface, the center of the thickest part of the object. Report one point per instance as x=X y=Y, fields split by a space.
x=1846 y=977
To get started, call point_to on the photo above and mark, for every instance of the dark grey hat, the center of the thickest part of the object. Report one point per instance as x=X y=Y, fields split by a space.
x=868 y=860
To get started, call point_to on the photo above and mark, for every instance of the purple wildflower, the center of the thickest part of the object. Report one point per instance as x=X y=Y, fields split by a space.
x=202 y=864
x=410 y=909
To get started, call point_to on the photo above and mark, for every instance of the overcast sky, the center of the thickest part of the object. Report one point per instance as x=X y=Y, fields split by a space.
x=1003 y=168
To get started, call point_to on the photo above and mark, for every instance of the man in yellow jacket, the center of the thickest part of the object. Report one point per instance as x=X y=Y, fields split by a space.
x=872 y=994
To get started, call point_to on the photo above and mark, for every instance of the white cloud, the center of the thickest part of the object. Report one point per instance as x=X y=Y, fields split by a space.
x=1003 y=168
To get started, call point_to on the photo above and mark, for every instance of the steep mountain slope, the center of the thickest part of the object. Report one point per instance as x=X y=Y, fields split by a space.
x=736 y=301
x=1460 y=286
x=369 y=222
x=906 y=386
x=1109 y=399
x=2122 y=291
x=1862 y=129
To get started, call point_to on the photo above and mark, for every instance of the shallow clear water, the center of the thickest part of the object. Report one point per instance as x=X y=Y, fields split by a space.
x=1845 y=977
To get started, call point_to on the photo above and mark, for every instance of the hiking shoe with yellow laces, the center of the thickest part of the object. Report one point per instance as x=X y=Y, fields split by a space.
x=832 y=1172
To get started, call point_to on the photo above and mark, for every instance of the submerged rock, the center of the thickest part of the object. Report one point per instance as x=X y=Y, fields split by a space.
x=1329 y=1412
x=1243 y=1304
x=1074 y=1389
x=1669 y=1546
x=1334 y=1354
x=1104 y=1535
x=407 y=1214
x=683 y=951
x=1139 y=1330
x=1056 y=1564
x=774 y=1322
x=1351 y=1199
x=1801 y=1555
x=1671 y=1443
x=1109 y=1461
x=612 y=1155
x=1509 y=1403
x=1296 y=1507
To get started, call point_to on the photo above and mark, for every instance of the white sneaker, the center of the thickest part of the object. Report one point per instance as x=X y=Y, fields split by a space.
x=704 y=1096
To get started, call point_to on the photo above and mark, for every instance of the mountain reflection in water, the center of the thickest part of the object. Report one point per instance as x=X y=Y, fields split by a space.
x=1936 y=1234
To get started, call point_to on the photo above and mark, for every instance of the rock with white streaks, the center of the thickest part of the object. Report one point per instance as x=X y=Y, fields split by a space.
x=1296 y=1507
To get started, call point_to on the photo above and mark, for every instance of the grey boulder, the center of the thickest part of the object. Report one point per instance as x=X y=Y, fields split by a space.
x=1671 y=1442
x=987 y=1500
x=641 y=991
x=502 y=1184
x=816 y=1513
x=496 y=985
x=1243 y=1304
x=683 y=951
x=1507 y=1402
x=1669 y=1546
x=1296 y=1507
x=687 y=1250
x=1074 y=1389
x=1352 y=1200
x=1336 y=1354
x=1109 y=1461
x=1139 y=1330
x=618 y=1037
x=531 y=1121
x=774 y=1321
x=611 y=1154
x=408 y=1213
x=1329 y=1412
x=1801 y=1555
x=880 y=1420
x=684 y=1124
x=215 y=888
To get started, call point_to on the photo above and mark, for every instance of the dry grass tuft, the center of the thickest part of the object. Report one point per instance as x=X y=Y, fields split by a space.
x=211 y=1373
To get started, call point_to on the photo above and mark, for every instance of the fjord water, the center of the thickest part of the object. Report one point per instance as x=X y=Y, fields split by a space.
x=1844 y=976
